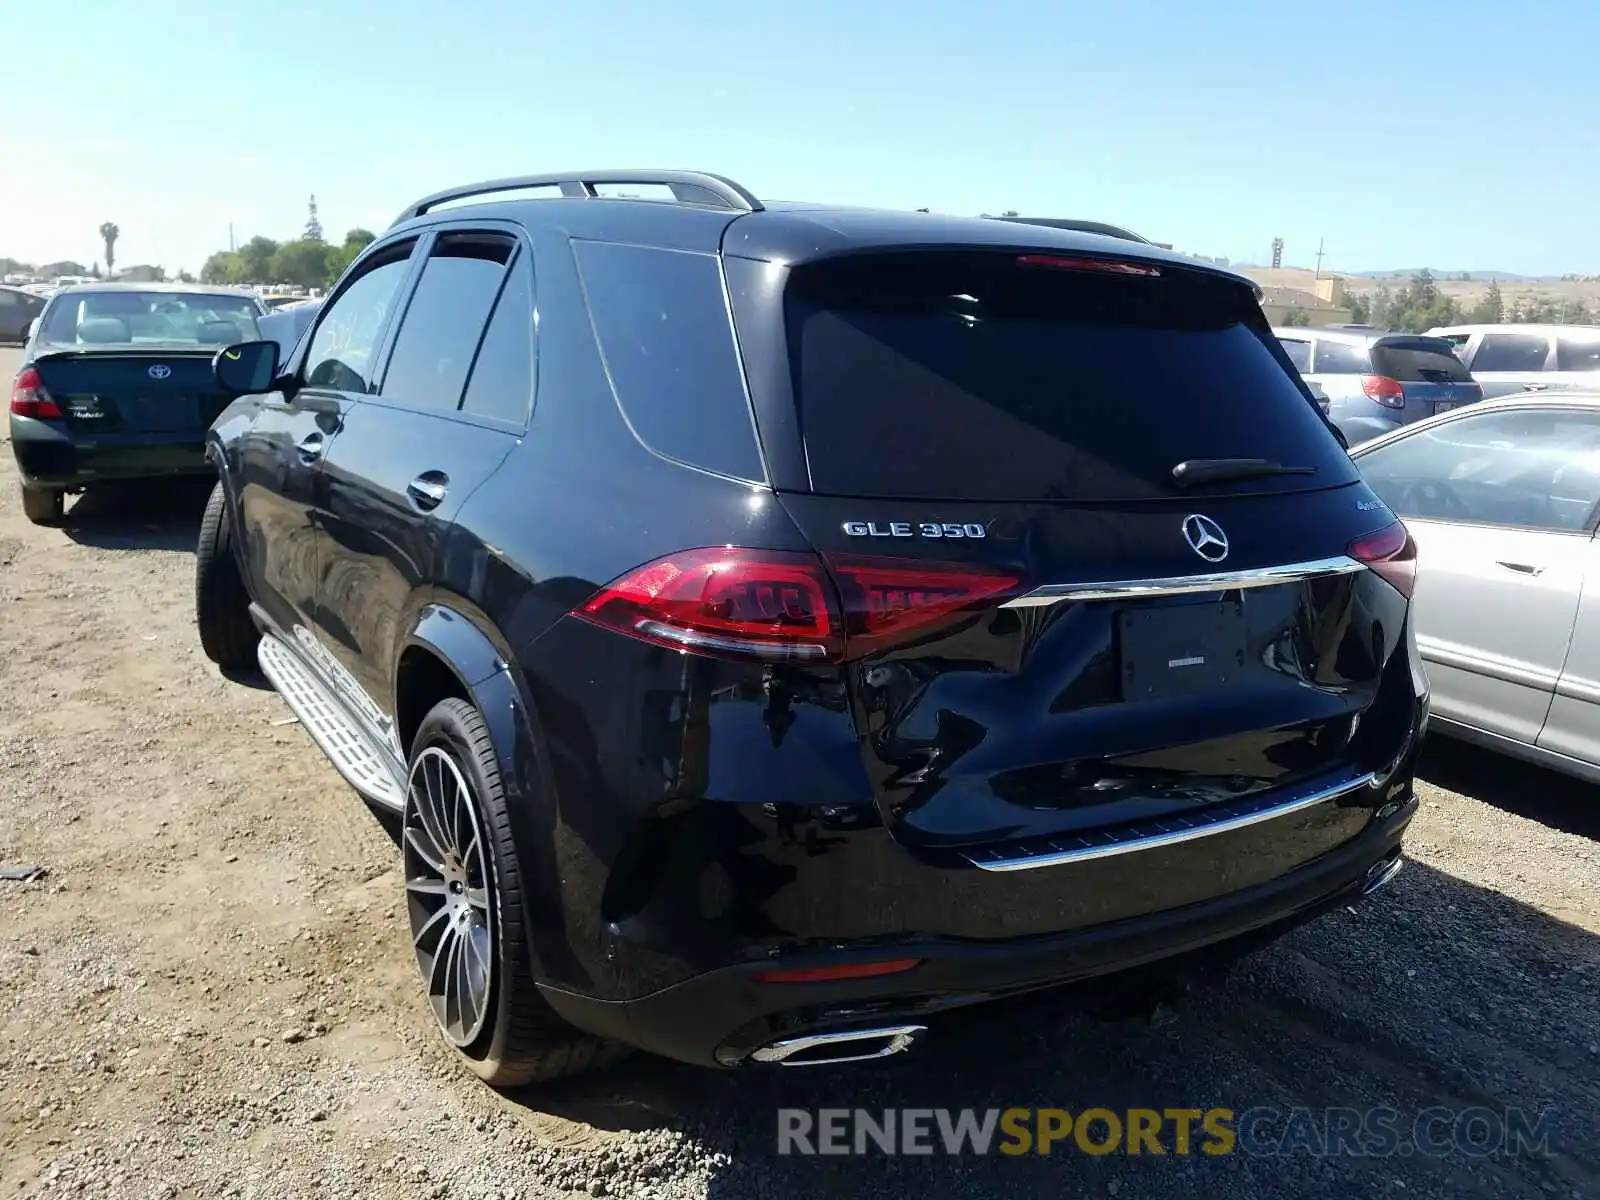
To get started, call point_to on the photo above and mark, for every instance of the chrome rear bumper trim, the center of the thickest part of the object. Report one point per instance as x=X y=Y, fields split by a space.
x=1160 y=832
x=1181 y=585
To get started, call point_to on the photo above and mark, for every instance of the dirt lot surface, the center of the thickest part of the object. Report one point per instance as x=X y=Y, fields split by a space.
x=211 y=993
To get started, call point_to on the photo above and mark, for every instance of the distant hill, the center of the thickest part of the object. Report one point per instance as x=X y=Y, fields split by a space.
x=1456 y=273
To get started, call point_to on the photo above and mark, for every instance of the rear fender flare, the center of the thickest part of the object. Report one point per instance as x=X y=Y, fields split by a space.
x=486 y=675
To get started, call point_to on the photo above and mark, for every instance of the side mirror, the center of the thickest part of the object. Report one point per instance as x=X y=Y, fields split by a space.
x=246 y=368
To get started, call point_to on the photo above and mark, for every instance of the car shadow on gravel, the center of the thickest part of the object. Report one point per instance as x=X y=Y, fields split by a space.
x=159 y=515
x=1437 y=992
x=1536 y=793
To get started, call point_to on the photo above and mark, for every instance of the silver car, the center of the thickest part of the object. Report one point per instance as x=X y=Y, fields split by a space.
x=1503 y=499
x=1377 y=382
x=1505 y=359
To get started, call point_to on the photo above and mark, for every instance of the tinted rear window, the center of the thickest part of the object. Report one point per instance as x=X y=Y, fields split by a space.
x=1419 y=360
x=969 y=376
x=662 y=321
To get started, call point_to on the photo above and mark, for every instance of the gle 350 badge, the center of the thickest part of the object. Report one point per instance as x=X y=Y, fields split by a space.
x=906 y=529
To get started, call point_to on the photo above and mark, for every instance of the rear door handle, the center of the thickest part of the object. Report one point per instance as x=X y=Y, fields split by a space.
x=427 y=491
x=1535 y=387
x=311 y=446
x=1521 y=568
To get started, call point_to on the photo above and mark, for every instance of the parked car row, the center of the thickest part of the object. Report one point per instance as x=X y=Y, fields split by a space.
x=789 y=627
x=1377 y=381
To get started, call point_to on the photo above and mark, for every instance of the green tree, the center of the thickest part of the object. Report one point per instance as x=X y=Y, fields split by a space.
x=225 y=266
x=359 y=237
x=303 y=262
x=109 y=234
x=257 y=255
x=1360 y=309
x=1491 y=310
x=1297 y=317
x=313 y=231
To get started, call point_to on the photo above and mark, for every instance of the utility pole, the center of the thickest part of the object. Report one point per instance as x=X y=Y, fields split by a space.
x=231 y=246
x=1319 y=258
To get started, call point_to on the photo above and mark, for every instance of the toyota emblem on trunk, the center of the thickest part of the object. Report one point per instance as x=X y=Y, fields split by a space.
x=160 y=371
x=1205 y=537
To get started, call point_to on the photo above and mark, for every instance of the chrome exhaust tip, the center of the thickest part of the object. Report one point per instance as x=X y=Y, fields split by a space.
x=1381 y=873
x=855 y=1045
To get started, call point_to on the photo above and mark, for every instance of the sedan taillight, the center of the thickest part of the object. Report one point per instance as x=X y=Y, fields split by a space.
x=30 y=399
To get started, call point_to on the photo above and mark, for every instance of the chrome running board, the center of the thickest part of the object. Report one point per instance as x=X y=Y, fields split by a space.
x=1153 y=833
x=366 y=765
x=864 y=1044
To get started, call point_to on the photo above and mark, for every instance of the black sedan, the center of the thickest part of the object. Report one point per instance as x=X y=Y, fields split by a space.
x=18 y=308
x=116 y=384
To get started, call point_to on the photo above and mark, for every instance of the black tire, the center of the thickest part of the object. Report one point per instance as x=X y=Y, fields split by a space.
x=221 y=603
x=522 y=1040
x=43 y=506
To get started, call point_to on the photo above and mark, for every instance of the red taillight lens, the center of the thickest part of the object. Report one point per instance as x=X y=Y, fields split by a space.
x=1392 y=554
x=866 y=970
x=29 y=398
x=887 y=602
x=1384 y=390
x=779 y=606
x=1109 y=266
x=745 y=603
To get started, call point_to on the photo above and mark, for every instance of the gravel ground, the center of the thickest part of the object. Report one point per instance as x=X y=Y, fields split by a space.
x=210 y=993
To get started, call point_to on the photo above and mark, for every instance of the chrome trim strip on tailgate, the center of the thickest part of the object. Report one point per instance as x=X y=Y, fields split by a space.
x=1180 y=585
x=1158 y=832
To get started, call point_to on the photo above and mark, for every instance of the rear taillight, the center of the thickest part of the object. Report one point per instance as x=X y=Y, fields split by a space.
x=779 y=606
x=1384 y=390
x=1108 y=266
x=1392 y=554
x=30 y=399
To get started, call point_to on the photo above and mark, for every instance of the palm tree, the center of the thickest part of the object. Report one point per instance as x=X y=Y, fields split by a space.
x=108 y=234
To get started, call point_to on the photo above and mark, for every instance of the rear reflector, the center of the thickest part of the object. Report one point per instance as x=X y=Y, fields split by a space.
x=1109 y=266
x=780 y=606
x=30 y=399
x=1392 y=554
x=866 y=970
x=1387 y=392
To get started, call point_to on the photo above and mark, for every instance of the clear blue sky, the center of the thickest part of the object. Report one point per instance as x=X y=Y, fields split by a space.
x=1456 y=134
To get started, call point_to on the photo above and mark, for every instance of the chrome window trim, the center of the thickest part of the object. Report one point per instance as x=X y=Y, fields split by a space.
x=1180 y=585
x=1173 y=837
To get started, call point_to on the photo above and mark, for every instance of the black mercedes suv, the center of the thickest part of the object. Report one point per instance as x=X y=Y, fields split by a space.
x=774 y=625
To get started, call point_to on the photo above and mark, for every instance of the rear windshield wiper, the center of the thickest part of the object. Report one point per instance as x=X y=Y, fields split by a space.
x=1216 y=470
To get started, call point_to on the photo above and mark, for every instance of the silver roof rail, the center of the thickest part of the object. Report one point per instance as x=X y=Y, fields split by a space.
x=687 y=187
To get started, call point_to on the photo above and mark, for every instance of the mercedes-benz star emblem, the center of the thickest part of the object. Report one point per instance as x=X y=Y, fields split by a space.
x=1205 y=537
x=160 y=371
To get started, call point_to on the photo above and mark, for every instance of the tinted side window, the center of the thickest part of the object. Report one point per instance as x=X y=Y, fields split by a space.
x=1299 y=353
x=1341 y=358
x=1510 y=352
x=662 y=322
x=1537 y=469
x=444 y=322
x=502 y=378
x=340 y=355
x=1577 y=354
x=9 y=299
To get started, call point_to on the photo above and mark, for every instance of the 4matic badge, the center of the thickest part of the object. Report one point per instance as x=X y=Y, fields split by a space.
x=906 y=529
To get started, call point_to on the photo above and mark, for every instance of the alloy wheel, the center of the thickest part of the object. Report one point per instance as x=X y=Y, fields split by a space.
x=447 y=895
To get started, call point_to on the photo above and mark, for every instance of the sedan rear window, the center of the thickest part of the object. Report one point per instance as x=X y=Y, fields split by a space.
x=124 y=318
x=1418 y=360
x=980 y=376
